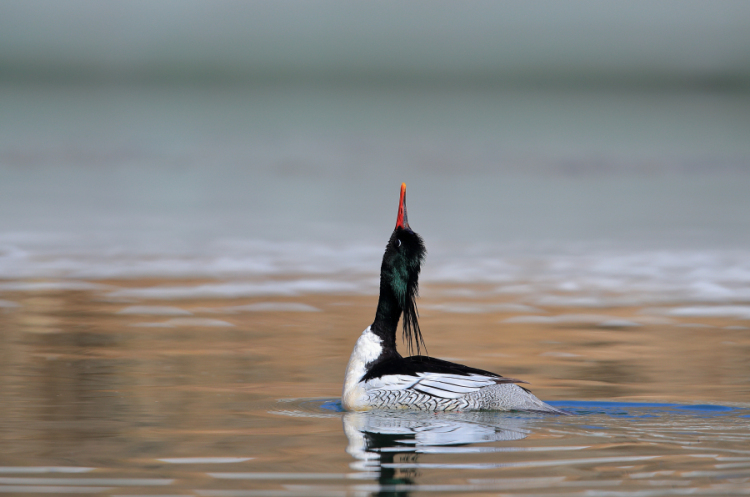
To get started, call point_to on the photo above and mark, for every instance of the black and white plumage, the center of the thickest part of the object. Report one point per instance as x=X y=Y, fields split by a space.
x=378 y=377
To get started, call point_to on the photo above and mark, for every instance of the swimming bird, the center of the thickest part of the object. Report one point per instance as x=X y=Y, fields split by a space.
x=378 y=377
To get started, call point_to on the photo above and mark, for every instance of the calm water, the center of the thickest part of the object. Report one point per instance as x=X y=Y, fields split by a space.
x=184 y=271
x=143 y=388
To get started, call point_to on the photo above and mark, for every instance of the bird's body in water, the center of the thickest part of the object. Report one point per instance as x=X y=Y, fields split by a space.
x=378 y=377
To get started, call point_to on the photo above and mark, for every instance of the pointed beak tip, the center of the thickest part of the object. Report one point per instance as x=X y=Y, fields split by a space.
x=402 y=220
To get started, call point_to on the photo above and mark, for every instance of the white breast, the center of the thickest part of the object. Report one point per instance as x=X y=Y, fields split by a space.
x=367 y=349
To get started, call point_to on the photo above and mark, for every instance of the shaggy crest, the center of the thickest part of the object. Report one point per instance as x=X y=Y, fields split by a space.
x=402 y=263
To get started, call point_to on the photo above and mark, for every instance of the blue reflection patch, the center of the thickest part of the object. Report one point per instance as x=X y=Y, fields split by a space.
x=640 y=409
x=332 y=405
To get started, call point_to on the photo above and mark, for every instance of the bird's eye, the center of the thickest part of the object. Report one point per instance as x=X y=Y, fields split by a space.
x=398 y=242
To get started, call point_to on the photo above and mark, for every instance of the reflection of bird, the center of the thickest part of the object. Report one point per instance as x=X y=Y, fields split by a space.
x=378 y=377
x=381 y=440
x=369 y=432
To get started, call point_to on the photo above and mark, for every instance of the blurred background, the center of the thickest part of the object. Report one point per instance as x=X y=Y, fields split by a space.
x=195 y=197
x=142 y=138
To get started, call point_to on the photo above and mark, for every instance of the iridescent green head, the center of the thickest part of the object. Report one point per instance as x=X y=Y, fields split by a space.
x=402 y=262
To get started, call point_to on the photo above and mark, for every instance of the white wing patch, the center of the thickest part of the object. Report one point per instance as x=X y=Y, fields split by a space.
x=392 y=382
x=445 y=386
x=451 y=386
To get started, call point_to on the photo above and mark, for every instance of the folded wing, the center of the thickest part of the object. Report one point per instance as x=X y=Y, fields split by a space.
x=449 y=386
x=441 y=385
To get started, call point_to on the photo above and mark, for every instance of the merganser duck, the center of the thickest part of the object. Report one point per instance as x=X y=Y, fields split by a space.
x=378 y=377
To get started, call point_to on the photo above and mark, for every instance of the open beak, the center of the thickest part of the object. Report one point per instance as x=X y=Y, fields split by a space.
x=402 y=221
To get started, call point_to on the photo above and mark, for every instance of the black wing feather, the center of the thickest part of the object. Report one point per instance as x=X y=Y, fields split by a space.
x=414 y=365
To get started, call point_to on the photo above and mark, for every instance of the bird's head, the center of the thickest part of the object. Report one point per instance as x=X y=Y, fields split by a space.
x=402 y=262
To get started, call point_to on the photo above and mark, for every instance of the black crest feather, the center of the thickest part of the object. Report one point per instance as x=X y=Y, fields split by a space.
x=412 y=335
x=413 y=253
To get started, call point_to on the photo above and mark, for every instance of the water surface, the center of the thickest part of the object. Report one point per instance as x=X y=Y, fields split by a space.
x=184 y=272
x=112 y=390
